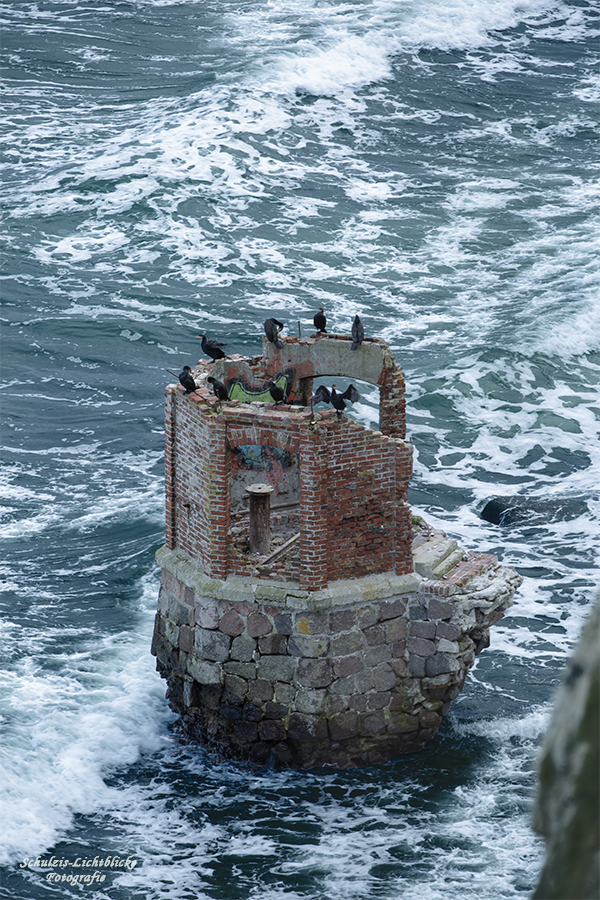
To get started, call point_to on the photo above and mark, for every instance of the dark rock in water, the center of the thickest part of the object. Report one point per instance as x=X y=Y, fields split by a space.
x=567 y=810
x=535 y=510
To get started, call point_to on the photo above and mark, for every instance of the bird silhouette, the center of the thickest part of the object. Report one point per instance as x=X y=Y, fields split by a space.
x=320 y=321
x=272 y=329
x=212 y=348
x=186 y=379
x=358 y=333
x=277 y=393
x=219 y=389
x=337 y=400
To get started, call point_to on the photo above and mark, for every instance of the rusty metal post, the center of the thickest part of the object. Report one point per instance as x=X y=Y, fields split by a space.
x=260 y=517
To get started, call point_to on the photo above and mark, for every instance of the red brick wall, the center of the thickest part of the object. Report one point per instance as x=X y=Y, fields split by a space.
x=354 y=519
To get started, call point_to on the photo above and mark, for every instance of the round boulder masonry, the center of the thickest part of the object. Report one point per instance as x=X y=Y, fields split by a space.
x=344 y=638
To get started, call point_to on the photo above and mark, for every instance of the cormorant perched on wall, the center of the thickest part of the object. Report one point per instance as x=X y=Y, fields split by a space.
x=212 y=348
x=277 y=393
x=219 y=389
x=358 y=333
x=272 y=329
x=324 y=395
x=320 y=321
x=186 y=379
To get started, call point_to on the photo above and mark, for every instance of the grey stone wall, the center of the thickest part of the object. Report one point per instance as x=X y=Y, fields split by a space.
x=352 y=675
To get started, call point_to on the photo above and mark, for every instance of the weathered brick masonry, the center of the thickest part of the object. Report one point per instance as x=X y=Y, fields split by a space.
x=347 y=647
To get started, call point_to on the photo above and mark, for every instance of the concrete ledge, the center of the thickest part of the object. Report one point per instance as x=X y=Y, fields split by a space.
x=242 y=589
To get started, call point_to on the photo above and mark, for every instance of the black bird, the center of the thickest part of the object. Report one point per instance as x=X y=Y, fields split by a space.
x=212 y=348
x=277 y=393
x=186 y=379
x=358 y=333
x=272 y=329
x=320 y=321
x=220 y=391
x=324 y=395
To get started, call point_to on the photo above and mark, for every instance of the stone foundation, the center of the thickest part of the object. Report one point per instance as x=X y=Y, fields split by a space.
x=353 y=674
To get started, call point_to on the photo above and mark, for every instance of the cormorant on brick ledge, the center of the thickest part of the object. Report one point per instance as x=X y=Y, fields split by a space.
x=186 y=379
x=212 y=348
x=358 y=333
x=324 y=395
x=219 y=389
x=277 y=393
x=320 y=321
x=272 y=329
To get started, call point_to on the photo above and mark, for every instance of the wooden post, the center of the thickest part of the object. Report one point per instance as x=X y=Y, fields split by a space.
x=260 y=517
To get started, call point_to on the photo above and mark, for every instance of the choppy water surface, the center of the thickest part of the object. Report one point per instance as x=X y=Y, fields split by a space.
x=174 y=167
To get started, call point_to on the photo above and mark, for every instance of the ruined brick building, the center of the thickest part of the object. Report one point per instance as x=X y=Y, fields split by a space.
x=343 y=636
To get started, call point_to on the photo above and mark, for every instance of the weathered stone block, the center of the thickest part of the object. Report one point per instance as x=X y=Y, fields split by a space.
x=202 y=671
x=303 y=728
x=283 y=623
x=312 y=645
x=163 y=601
x=260 y=691
x=284 y=693
x=358 y=702
x=391 y=609
x=311 y=623
x=311 y=701
x=373 y=723
x=368 y=615
x=418 y=611
x=245 y=670
x=186 y=638
x=447 y=630
x=252 y=713
x=379 y=700
x=384 y=677
x=344 y=726
x=438 y=665
x=416 y=665
x=399 y=649
x=171 y=632
x=236 y=685
x=314 y=673
x=232 y=624
x=271 y=730
x=377 y=655
x=429 y=719
x=343 y=620
x=259 y=625
x=346 y=685
x=346 y=644
x=207 y=616
x=440 y=609
x=212 y=645
x=246 y=732
x=276 y=668
x=348 y=665
x=402 y=723
x=273 y=643
x=445 y=646
x=374 y=635
x=395 y=630
x=275 y=710
x=423 y=629
x=399 y=667
x=242 y=648
x=420 y=646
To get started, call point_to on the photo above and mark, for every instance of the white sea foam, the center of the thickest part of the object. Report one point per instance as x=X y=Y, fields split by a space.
x=65 y=730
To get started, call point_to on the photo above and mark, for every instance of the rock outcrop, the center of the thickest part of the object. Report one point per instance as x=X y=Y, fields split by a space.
x=568 y=802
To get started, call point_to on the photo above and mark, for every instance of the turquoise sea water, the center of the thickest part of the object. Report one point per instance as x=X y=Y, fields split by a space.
x=175 y=167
